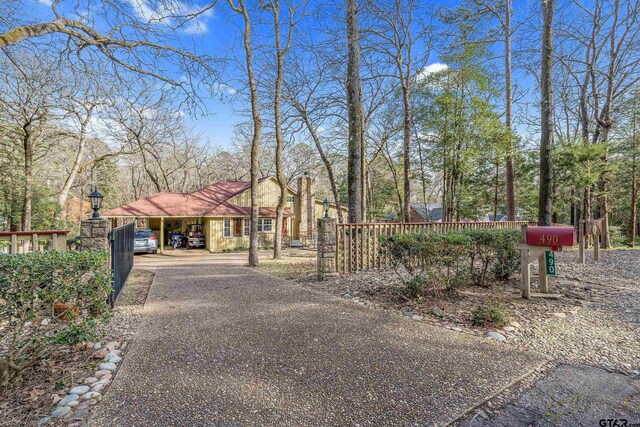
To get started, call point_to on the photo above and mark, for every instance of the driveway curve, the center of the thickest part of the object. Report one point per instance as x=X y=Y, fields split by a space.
x=224 y=345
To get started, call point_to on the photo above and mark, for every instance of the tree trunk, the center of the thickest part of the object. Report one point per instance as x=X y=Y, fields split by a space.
x=363 y=162
x=28 y=178
x=282 y=180
x=71 y=178
x=510 y=178
x=495 y=191
x=633 y=215
x=545 y=202
x=354 y=107
x=406 y=151
x=606 y=124
x=254 y=169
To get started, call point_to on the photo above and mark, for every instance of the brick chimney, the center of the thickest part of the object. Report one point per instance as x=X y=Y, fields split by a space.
x=305 y=205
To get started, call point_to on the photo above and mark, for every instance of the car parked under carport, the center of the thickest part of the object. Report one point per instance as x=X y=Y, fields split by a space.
x=145 y=241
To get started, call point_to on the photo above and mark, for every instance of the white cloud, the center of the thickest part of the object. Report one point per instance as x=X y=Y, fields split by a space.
x=436 y=67
x=222 y=89
x=46 y=2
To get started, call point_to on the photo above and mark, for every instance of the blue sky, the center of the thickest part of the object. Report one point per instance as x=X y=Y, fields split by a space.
x=216 y=34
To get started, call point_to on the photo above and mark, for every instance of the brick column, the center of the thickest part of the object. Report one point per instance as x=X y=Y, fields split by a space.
x=94 y=234
x=326 y=248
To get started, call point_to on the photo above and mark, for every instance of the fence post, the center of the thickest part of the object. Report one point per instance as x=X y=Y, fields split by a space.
x=326 y=248
x=94 y=234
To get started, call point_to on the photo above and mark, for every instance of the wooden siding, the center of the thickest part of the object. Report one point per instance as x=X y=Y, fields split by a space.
x=216 y=242
x=333 y=212
x=268 y=195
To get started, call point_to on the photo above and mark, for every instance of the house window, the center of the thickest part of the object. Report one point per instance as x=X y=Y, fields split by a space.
x=226 y=228
x=291 y=199
x=247 y=227
x=265 y=224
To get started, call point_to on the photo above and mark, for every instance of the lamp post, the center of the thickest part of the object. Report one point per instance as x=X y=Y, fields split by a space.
x=96 y=203
x=326 y=207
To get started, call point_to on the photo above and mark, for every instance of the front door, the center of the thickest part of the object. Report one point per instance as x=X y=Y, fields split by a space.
x=284 y=227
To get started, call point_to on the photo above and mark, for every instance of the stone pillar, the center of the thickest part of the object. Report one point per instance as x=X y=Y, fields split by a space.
x=326 y=248
x=94 y=234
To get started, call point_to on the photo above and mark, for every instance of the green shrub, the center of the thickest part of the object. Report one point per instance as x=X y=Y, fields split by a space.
x=48 y=299
x=426 y=261
x=493 y=250
x=443 y=261
x=492 y=313
x=413 y=287
x=507 y=256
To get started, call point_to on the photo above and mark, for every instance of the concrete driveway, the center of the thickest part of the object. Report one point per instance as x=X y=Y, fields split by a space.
x=224 y=345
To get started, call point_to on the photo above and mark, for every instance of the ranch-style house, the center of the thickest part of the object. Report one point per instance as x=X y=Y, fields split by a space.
x=223 y=208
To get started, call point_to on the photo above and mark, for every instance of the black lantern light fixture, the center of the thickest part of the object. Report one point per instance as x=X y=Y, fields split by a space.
x=326 y=207
x=96 y=202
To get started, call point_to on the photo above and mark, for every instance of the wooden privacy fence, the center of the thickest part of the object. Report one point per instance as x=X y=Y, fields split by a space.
x=358 y=246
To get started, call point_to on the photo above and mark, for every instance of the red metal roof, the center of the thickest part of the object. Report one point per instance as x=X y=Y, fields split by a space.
x=209 y=201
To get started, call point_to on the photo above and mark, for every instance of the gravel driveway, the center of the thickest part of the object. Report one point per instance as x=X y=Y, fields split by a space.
x=221 y=344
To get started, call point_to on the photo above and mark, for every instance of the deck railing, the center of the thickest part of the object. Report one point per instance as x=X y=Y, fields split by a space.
x=358 y=247
x=17 y=242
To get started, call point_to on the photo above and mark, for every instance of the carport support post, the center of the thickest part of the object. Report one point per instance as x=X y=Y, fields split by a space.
x=326 y=248
x=161 y=235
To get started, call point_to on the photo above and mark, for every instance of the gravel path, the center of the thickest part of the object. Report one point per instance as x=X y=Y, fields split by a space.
x=603 y=326
x=221 y=344
x=596 y=322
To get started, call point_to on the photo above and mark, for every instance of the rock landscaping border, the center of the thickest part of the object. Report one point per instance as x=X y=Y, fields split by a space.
x=75 y=405
x=63 y=388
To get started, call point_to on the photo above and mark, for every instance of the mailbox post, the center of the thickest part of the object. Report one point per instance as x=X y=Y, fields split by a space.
x=536 y=242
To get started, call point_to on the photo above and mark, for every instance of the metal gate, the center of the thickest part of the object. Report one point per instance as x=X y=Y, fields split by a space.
x=122 y=239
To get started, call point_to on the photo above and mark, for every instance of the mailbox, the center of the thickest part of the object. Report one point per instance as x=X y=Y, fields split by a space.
x=551 y=236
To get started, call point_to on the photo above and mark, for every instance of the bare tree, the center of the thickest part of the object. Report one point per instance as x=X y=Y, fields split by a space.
x=241 y=9
x=280 y=52
x=395 y=33
x=355 y=113
x=139 y=38
x=306 y=91
x=28 y=101
x=81 y=104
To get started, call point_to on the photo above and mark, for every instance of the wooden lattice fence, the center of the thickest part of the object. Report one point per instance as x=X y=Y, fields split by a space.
x=358 y=247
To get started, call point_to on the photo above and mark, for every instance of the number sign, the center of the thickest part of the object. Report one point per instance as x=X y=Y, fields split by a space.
x=551 y=263
x=551 y=236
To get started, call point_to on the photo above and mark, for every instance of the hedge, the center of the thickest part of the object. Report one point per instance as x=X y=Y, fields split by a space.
x=49 y=299
x=443 y=261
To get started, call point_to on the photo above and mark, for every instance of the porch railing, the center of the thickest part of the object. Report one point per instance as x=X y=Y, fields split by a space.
x=17 y=242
